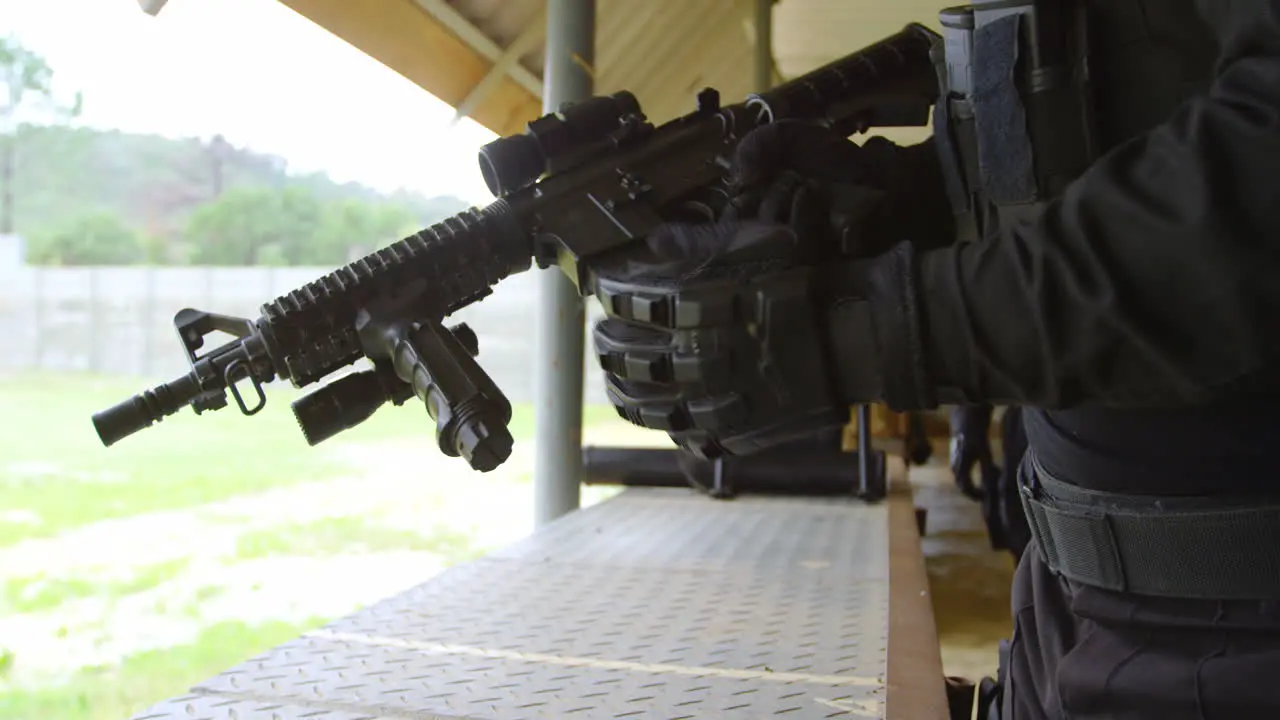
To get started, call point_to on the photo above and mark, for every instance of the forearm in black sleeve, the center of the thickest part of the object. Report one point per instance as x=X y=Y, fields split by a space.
x=1153 y=281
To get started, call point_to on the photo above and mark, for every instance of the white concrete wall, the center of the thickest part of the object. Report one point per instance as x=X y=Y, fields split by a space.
x=119 y=320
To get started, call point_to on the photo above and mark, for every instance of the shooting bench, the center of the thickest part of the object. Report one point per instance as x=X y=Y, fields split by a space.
x=658 y=603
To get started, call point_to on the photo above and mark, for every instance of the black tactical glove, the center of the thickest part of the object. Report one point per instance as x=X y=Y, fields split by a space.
x=911 y=202
x=755 y=330
x=971 y=448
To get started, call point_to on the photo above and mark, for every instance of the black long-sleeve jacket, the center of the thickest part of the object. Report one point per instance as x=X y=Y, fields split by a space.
x=1143 y=305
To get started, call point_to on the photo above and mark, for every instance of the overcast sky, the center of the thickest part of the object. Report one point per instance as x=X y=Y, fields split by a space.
x=261 y=75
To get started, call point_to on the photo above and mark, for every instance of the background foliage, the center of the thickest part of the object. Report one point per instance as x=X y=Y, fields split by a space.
x=82 y=196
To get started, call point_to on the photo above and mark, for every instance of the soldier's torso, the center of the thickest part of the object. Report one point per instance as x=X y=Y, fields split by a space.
x=1036 y=92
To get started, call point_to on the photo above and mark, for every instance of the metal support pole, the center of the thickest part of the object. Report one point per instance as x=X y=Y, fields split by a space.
x=570 y=54
x=764 y=45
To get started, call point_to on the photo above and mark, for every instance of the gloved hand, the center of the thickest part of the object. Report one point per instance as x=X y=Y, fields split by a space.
x=971 y=448
x=738 y=335
x=886 y=192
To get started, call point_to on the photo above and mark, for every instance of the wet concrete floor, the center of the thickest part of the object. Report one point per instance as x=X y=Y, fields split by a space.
x=969 y=581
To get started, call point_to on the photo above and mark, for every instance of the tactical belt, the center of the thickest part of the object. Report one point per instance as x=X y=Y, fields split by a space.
x=1214 y=548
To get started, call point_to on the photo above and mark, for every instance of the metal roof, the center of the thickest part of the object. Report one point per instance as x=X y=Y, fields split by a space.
x=485 y=56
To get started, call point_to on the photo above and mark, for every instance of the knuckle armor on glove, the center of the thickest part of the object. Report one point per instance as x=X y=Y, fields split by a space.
x=707 y=345
x=763 y=327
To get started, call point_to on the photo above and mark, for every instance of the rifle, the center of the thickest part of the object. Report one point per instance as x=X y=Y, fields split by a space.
x=576 y=187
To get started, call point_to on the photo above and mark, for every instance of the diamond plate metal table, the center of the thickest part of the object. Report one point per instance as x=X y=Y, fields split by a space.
x=655 y=604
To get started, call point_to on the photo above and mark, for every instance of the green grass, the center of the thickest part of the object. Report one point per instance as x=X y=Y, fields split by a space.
x=34 y=594
x=123 y=690
x=351 y=534
x=55 y=475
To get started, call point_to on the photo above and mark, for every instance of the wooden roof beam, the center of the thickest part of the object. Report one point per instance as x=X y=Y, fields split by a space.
x=466 y=31
x=404 y=36
x=533 y=33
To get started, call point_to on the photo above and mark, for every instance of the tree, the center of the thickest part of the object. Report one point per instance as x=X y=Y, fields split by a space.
x=28 y=91
x=430 y=210
x=249 y=226
x=291 y=226
x=353 y=228
x=95 y=238
x=154 y=183
x=302 y=218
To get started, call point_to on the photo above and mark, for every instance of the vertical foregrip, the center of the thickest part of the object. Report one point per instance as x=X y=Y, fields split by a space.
x=411 y=367
x=312 y=329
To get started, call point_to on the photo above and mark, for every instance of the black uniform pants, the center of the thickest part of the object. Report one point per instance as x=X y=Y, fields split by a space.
x=1083 y=653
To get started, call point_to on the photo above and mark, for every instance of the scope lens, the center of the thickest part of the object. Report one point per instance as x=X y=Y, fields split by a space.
x=511 y=163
